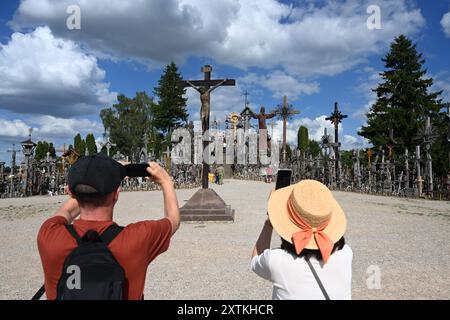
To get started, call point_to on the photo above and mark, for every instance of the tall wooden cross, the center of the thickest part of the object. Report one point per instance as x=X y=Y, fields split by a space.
x=205 y=87
x=63 y=160
x=336 y=118
x=285 y=112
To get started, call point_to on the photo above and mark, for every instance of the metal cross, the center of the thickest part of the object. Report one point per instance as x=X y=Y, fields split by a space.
x=336 y=118
x=285 y=113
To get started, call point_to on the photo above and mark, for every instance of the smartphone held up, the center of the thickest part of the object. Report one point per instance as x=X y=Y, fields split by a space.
x=283 y=178
x=137 y=170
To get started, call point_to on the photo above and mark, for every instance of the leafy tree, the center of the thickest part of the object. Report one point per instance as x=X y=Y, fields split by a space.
x=314 y=148
x=91 y=146
x=403 y=98
x=170 y=112
x=347 y=158
x=288 y=152
x=42 y=148
x=128 y=121
x=39 y=152
x=302 y=139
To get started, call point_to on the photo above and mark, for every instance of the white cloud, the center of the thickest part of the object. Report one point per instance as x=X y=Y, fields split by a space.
x=445 y=23
x=11 y=130
x=442 y=82
x=316 y=130
x=313 y=38
x=361 y=113
x=47 y=128
x=368 y=83
x=281 y=84
x=224 y=100
x=351 y=142
x=42 y=74
x=51 y=127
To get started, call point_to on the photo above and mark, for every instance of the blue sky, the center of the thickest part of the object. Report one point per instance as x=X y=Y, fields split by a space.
x=56 y=80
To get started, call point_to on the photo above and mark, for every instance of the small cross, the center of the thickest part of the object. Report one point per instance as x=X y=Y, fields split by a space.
x=246 y=94
x=369 y=157
x=108 y=145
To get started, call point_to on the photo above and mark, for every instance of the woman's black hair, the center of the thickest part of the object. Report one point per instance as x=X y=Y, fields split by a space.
x=289 y=247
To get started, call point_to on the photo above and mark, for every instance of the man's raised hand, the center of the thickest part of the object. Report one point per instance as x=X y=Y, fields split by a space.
x=158 y=174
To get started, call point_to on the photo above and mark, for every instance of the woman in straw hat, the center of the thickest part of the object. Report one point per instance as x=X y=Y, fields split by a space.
x=313 y=262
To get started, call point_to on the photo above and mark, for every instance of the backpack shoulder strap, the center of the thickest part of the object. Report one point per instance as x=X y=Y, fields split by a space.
x=316 y=276
x=111 y=233
x=73 y=233
x=39 y=293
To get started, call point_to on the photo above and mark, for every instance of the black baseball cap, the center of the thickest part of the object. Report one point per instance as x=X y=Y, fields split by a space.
x=101 y=173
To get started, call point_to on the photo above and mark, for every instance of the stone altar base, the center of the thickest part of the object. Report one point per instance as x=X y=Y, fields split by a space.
x=206 y=205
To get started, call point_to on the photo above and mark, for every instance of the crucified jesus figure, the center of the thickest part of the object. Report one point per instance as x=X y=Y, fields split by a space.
x=263 y=136
x=205 y=101
x=262 y=117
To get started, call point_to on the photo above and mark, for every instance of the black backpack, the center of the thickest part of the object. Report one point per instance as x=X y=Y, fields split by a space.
x=90 y=271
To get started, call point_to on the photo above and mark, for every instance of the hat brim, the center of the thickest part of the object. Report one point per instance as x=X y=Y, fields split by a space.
x=278 y=215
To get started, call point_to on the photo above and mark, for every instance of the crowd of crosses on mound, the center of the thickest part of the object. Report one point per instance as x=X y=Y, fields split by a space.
x=371 y=171
x=31 y=177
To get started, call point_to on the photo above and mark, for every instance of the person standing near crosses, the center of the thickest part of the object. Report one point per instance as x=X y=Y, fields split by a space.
x=221 y=173
x=313 y=262
x=94 y=188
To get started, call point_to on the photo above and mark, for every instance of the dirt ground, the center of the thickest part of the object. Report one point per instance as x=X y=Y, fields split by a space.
x=406 y=240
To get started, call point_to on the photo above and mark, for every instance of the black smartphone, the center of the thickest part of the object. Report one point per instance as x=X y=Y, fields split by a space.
x=137 y=170
x=283 y=178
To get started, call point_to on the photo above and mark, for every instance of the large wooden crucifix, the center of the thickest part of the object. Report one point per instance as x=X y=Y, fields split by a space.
x=205 y=87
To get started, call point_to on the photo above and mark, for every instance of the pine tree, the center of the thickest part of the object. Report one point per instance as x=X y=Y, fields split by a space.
x=90 y=144
x=439 y=150
x=79 y=145
x=302 y=139
x=403 y=98
x=52 y=150
x=170 y=112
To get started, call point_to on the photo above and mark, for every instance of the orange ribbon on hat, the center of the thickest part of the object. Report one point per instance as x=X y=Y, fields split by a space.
x=302 y=237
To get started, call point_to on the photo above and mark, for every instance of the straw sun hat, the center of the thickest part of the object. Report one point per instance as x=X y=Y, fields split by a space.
x=307 y=215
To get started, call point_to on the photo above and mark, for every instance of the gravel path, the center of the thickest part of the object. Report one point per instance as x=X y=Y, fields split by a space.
x=408 y=240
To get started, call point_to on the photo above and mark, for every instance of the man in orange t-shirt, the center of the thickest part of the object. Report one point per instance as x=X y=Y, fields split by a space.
x=94 y=188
